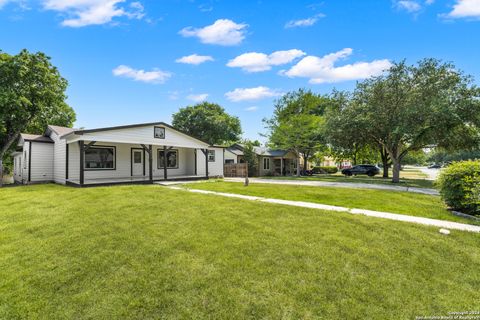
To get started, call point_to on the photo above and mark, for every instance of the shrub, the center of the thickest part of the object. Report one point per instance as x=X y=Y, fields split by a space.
x=460 y=186
x=325 y=169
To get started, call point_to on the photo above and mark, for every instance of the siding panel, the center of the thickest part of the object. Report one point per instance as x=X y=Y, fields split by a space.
x=59 y=158
x=42 y=162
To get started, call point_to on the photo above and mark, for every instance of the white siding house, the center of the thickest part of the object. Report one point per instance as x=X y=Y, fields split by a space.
x=123 y=154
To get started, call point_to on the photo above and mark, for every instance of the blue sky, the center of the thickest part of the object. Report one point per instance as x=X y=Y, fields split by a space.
x=140 y=61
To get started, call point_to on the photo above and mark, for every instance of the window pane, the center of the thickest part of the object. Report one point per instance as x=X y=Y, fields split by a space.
x=99 y=158
x=137 y=157
x=211 y=155
x=159 y=133
x=172 y=159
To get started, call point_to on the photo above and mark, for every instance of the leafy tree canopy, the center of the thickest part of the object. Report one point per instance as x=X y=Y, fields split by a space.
x=32 y=95
x=297 y=123
x=413 y=106
x=347 y=135
x=209 y=122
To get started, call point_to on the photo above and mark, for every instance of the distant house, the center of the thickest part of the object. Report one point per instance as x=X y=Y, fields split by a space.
x=332 y=162
x=270 y=161
x=138 y=153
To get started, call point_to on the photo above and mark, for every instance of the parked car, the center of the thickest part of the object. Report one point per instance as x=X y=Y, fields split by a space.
x=434 y=166
x=368 y=169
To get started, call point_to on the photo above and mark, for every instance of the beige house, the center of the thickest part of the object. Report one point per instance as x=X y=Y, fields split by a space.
x=270 y=162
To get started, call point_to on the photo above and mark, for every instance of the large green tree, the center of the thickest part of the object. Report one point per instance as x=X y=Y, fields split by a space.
x=209 y=122
x=297 y=123
x=348 y=136
x=302 y=134
x=411 y=107
x=32 y=95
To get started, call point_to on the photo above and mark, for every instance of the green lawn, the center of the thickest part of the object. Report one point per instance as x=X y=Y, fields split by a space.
x=148 y=252
x=380 y=200
x=410 y=177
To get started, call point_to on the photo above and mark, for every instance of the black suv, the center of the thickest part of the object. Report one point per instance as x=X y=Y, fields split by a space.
x=368 y=169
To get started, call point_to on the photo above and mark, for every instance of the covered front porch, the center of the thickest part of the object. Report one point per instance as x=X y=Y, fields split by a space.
x=90 y=163
x=284 y=166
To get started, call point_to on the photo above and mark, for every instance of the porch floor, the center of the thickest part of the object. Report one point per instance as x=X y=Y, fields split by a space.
x=131 y=180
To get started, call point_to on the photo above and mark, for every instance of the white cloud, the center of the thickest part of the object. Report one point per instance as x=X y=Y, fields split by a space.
x=82 y=13
x=154 y=76
x=308 y=22
x=409 y=5
x=248 y=94
x=223 y=32
x=3 y=2
x=323 y=69
x=256 y=62
x=194 y=59
x=465 y=9
x=198 y=97
x=251 y=109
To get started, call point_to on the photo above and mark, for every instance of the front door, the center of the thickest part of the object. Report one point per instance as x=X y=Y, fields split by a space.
x=137 y=162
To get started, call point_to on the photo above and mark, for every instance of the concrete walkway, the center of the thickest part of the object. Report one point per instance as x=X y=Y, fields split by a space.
x=353 y=185
x=377 y=214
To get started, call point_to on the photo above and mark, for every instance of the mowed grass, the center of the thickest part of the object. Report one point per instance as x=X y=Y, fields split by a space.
x=408 y=203
x=409 y=177
x=148 y=252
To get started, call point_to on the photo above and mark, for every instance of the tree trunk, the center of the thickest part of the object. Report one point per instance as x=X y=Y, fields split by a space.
x=298 y=165
x=385 y=167
x=385 y=160
x=397 y=164
x=1 y=171
x=305 y=161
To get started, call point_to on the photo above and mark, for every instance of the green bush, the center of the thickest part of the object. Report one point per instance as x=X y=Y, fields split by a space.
x=460 y=186
x=326 y=169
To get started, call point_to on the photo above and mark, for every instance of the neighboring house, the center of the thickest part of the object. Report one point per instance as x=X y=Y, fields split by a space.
x=270 y=162
x=123 y=154
x=332 y=162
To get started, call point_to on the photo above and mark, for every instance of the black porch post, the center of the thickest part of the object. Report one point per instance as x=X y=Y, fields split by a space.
x=143 y=160
x=165 y=162
x=195 y=154
x=150 y=165
x=206 y=163
x=82 y=155
x=66 y=162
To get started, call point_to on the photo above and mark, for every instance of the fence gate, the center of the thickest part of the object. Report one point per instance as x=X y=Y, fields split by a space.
x=235 y=170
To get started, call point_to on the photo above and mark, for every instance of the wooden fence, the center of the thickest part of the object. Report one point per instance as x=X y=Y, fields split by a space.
x=235 y=170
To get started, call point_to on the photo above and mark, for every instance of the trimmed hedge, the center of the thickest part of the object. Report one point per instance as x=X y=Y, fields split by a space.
x=460 y=186
x=326 y=169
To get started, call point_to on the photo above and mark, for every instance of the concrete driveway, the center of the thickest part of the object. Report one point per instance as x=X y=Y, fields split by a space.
x=352 y=185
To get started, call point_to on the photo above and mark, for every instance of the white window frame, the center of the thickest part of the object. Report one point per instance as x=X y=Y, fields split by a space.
x=266 y=165
x=211 y=155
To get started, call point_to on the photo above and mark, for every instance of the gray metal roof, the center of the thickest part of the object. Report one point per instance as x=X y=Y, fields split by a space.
x=235 y=151
x=261 y=151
